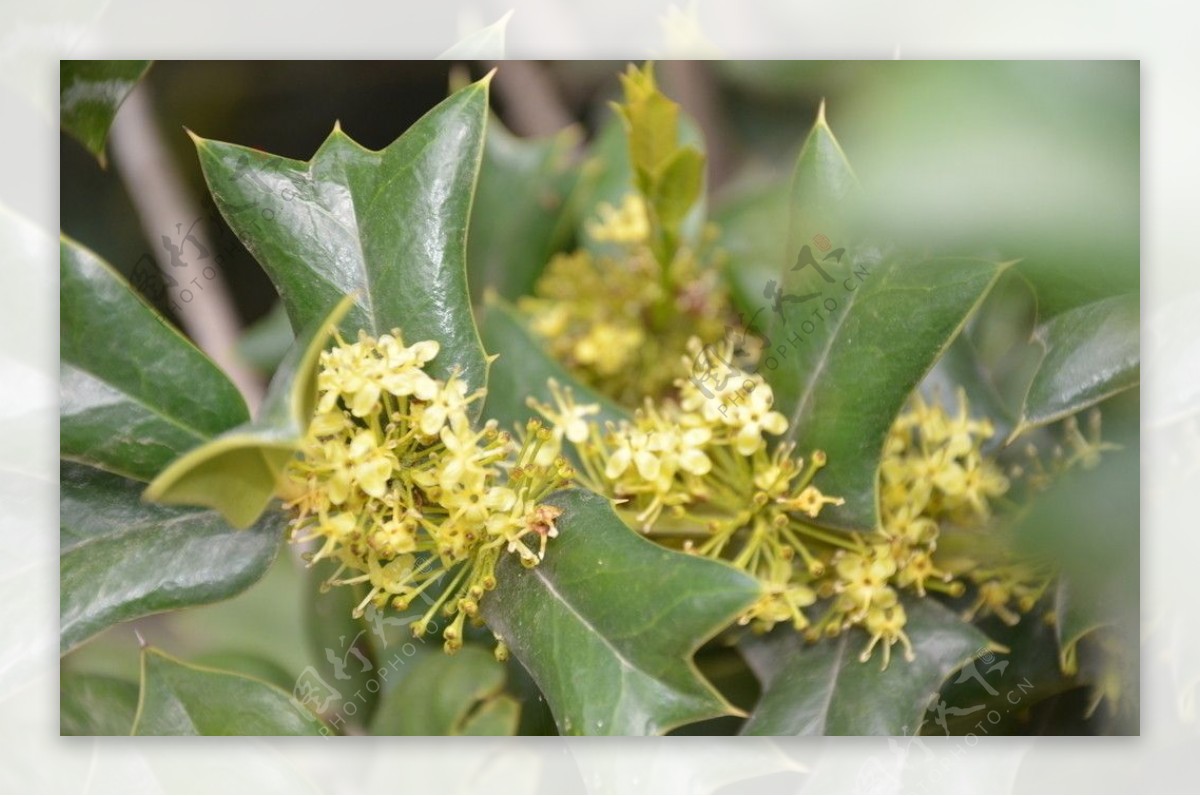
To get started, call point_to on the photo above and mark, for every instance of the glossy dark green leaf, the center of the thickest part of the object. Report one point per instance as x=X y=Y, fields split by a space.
x=607 y=624
x=388 y=226
x=237 y=473
x=134 y=392
x=121 y=558
x=90 y=92
x=1092 y=353
x=95 y=704
x=843 y=378
x=342 y=649
x=522 y=369
x=519 y=218
x=823 y=688
x=853 y=328
x=179 y=699
x=449 y=695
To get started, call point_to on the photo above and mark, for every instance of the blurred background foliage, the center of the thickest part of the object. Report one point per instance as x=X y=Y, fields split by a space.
x=1029 y=161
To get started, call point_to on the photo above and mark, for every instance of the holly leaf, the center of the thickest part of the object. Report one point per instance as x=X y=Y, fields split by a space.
x=121 y=559
x=607 y=624
x=523 y=368
x=95 y=704
x=1091 y=354
x=134 y=392
x=852 y=328
x=180 y=699
x=238 y=472
x=520 y=215
x=824 y=689
x=856 y=370
x=824 y=191
x=449 y=695
x=388 y=226
x=90 y=92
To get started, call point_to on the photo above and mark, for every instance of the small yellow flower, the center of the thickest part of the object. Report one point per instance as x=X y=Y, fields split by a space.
x=627 y=224
x=885 y=622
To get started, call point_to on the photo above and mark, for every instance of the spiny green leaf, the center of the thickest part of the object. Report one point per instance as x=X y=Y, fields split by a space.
x=90 y=92
x=523 y=369
x=842 y=380
x=121 y=559
x=521 y=209
x=179 y=699
x=824 y=191
x=95 y=704
x=1092 y=353
x=449 y=695
x=238 y=472
x=135 y=393
x=389 y=226
x=651 y=124
x=607 y=624
x=824 y=689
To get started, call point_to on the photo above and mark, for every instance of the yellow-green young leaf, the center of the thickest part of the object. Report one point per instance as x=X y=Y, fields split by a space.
x=651 y=124
x=389 y=226
x=824 y=689
x=120 y=558
x=95 y=704
x=134 y=392
x=460 y=694
x=677 y=185
x=237 y=473
x=1091 y=354
x=179 y=699
x=90 y=92
x=607 y=624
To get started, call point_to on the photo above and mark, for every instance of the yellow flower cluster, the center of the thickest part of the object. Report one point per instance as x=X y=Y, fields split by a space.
x=695 y=473
x=614 y=318
x=395 y=485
